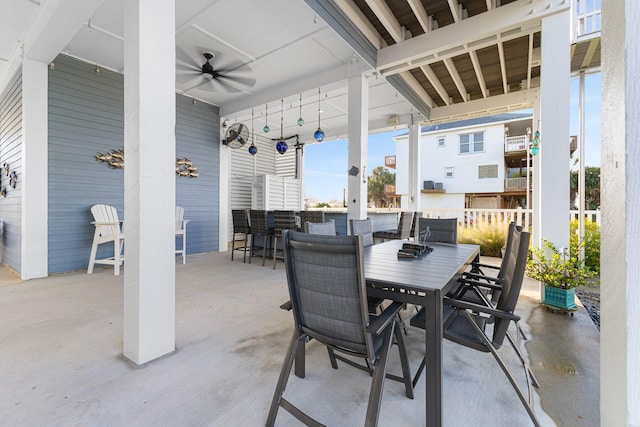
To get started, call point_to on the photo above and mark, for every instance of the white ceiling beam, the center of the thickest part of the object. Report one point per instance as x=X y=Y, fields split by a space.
x=486 y=106
x=330 y=76
x=453 y=5
x=417 y=88
x=503 y=67
x=451 y=67
x=421 y=14
x=387 y=18
x=478 y=70
x=591 y=50
x=510 y=21
x=435 y=82
x=361 y=22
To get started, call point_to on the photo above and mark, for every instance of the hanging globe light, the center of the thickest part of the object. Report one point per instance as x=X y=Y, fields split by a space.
x=318 y=135
x=300 y=120
x=265 y=129
x=253 y=149
x=281 y=146
x=535 y=150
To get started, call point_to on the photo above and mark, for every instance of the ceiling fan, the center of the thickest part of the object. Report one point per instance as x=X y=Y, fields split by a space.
x=236 y=136
x=216 y=73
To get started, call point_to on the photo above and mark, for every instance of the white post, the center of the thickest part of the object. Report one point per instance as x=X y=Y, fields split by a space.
x=415 y=161
x=224 y=196
x=149 y=195
x=620 y=247
x=35 y=202
x=358 y=130
x=554 y=128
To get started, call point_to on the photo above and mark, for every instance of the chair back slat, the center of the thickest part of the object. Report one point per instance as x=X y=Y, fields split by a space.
x=325 y=275
x=512 y=283
x=416 y=216
x=106 y=214
x=324 y=228
x=404 y=225
x=362 y=227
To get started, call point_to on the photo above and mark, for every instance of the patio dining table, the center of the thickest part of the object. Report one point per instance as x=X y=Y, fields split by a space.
x=422 y=281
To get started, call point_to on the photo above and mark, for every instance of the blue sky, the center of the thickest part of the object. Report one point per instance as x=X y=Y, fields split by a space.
x=326 y=163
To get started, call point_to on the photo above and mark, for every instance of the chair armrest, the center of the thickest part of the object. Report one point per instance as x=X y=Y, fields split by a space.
x=379 y=323
x=481 y=309
x=105 y=223
x=476 y=277
x=481 y=265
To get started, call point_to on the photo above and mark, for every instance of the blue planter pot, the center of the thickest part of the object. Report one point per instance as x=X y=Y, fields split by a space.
x=560 y=298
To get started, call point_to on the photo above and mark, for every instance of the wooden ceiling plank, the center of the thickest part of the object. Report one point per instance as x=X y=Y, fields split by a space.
x=453 y=5
x=591 y=50
x=421 y=14
x=435 y=82
x=530 y=61
x=387 y=18
x=453 y=71
x=356 y=16
x=476 y=66
x=503 y=67
x=478 y=29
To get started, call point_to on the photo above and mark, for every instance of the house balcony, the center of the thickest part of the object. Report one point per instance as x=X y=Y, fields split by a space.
x=518 y=184
x=389 y=190
x=513 y=144
x=390 y=162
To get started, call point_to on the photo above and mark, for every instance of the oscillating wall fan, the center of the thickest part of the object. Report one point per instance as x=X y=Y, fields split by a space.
x=236 y=136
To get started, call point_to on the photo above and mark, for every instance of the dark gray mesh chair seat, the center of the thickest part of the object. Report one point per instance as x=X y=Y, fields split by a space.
x=241 y=225
x=324 y=228
x=466 y=322
x=325 y=276
x=402 y=232
x=260 y=227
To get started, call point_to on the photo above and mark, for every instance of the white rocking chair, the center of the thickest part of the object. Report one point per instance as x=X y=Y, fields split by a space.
x=181 y=230
x=108 y=229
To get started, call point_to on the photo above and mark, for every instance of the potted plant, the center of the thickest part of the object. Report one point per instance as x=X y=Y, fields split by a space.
x=560 y=274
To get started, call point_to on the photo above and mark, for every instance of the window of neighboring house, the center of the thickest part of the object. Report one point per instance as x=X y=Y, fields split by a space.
x=472 y=142
x=448 y=172
x=442 y=140
x=487 y=171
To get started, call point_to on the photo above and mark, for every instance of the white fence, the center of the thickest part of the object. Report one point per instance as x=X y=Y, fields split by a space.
x=476 y=218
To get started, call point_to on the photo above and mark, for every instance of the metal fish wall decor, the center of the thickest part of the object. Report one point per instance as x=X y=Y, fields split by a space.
x=115 y=159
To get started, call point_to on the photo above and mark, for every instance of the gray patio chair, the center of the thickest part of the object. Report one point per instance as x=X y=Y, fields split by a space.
x=241 y=225
x=362 y=227
x=403 y=231
x=260 y=227
x=327 y=228
x=466 y=323
x=443 y=230
x=416 y=216
x=325 y=276
x=310 y=216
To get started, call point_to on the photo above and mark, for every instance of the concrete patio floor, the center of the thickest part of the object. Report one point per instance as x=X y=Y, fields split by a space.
x=62 y=364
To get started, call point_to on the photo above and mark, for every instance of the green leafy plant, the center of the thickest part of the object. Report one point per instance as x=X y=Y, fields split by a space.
x=555 y=269
x=591 y=243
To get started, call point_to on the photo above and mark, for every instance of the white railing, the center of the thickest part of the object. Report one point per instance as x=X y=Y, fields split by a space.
x=476 y=219
x=515 y=143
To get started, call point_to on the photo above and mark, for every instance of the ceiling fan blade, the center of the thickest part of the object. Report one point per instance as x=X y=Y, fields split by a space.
x=198 y=81
x=219 y=85
x=241 y=83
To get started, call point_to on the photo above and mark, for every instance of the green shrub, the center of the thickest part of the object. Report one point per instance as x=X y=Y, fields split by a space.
x=491 y=238
x=591 y=244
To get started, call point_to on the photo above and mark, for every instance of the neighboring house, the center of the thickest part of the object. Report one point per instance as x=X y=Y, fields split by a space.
x=476 y=163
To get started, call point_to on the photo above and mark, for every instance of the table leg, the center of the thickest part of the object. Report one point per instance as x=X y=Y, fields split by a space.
x=433 y=352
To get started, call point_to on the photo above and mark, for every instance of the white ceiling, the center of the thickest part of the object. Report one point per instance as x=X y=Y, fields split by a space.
x=280 y=48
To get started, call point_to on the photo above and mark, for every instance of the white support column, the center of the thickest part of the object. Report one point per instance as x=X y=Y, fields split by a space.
x=35 y=202
x=225 y=211
x=554 y=129
x=620 y=184
x=149 y=195
x=358 y=146
x=415 y=173
x=535 y=178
